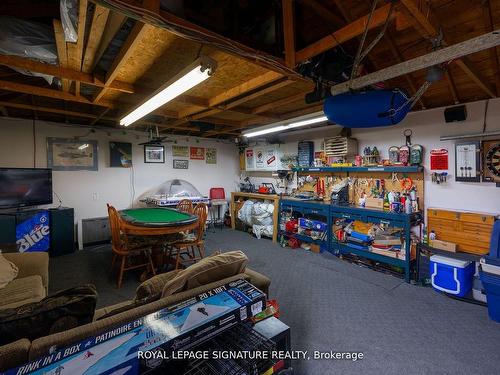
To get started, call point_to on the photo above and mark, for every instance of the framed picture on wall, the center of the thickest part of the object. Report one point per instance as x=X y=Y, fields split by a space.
x=154 y=154
x=70 y=154
x=181 y=164
x=211 y=155
x=120 y=154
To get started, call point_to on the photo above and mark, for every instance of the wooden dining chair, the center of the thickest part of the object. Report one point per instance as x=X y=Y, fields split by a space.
x=130 y=255
x=185 y=205
x=197 y=243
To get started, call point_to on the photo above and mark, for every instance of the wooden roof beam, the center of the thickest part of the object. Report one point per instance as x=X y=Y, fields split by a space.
x=126 y=51
x=277 y=103
x=323 y=12
x=345 y=33
x=99 y=21
x=451 y=85
x=75 y=50
x=440 y=56
x=427 y=29
x=49 y=93
x=62 y=54
x=488 y=20
x=288 y=32
x=61 y=72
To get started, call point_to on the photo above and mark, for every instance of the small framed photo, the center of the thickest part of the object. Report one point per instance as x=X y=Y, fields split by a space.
x=181 y=164
x=154 y=154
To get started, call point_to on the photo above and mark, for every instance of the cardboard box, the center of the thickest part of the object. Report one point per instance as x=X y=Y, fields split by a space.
x=374 y=203
x=176 y=327
x=315 y=248
x=443 y=245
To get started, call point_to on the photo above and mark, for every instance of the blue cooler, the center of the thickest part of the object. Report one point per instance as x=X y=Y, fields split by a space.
x=491 y=284
x=451 y=276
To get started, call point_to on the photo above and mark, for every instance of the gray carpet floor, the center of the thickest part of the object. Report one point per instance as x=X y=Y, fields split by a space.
x=331 y=304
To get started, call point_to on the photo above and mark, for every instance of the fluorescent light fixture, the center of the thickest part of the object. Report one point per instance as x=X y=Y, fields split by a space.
x=83 y=147
x=273 y=128
x=185 y=80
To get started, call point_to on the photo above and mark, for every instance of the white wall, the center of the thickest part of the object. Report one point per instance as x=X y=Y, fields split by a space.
x=112 y=185
x=427 y=127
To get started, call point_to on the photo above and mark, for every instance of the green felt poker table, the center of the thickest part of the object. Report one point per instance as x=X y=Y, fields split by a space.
x=156 y=221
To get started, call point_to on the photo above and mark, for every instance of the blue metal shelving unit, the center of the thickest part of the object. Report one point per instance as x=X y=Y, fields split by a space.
x=409 y=169
x=332 y=212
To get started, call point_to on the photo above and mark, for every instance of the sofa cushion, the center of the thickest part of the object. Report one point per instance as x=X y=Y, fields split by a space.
x=21 y=291
x=207 y=270
x=152 y=288
x=14 y=354
x=8 y=271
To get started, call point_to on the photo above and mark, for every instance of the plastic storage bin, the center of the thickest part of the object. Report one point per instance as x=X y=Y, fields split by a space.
x=451 y=276
x=491 y=284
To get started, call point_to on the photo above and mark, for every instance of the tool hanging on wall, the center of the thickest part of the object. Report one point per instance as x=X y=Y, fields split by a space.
x=439 y=178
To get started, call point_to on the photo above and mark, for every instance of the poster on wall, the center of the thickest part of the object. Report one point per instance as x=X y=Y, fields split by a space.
x=249 y=158
x=270 y=158
x=180 y=151
x=71 y=154
x=197 y=153
x=120 y=154
x=211 y=155
x=259 y=158
x=181 y=164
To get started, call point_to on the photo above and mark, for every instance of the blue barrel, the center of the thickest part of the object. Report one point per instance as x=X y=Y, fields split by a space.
x=367 y=109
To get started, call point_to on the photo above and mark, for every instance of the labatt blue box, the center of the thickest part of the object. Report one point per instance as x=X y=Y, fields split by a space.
x=181 y=326
x=33 y=234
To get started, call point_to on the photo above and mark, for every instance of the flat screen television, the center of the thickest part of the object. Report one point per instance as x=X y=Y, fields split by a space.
x=22 y=187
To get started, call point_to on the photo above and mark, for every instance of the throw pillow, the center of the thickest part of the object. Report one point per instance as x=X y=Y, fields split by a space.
x=206 y=271
x=8 y=271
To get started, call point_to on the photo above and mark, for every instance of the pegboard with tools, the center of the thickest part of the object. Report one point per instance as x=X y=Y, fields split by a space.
x=377 y=189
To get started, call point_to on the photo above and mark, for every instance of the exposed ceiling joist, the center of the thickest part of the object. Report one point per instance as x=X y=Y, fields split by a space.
x=75 y=50
x=61 y=72
x=49 y=93
x=489 y=23
x=97 y=27
x=445 y=54
x=278 y=103
x=428 y=30
x=452 y=87
x=323 y=12
x=345 y=33
x=62 y=53
x=288 y=32
x=113 y=25
x=126 y=51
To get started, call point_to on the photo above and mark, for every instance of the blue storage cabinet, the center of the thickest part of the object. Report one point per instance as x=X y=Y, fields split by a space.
x=452 y=276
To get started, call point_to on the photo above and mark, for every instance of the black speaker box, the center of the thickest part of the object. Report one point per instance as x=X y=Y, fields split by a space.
x=454 y=114
x=62 y=231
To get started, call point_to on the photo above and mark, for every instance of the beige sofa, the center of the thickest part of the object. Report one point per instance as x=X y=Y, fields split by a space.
x=21 y=351
x=31 y=283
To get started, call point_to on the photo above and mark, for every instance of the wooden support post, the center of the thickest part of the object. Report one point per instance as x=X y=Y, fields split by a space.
x=289 y=32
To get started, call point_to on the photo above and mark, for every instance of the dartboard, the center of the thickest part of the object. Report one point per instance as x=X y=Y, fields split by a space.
x=493 y=160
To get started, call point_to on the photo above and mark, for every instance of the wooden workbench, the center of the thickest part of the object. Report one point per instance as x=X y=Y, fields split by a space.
x=235 y=196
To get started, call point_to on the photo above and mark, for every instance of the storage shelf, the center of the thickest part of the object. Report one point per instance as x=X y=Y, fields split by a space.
x=302 y=237
x=409 y=169
x=369 y=255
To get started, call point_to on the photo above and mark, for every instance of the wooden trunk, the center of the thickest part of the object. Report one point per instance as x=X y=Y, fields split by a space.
x=470 y=231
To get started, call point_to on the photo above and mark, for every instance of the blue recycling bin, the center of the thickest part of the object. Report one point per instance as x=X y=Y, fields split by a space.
x=491 y=284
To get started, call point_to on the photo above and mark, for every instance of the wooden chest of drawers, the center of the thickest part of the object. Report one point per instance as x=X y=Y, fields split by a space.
x=470 y=231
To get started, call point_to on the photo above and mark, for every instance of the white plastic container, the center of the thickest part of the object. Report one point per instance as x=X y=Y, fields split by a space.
x=490 y=268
